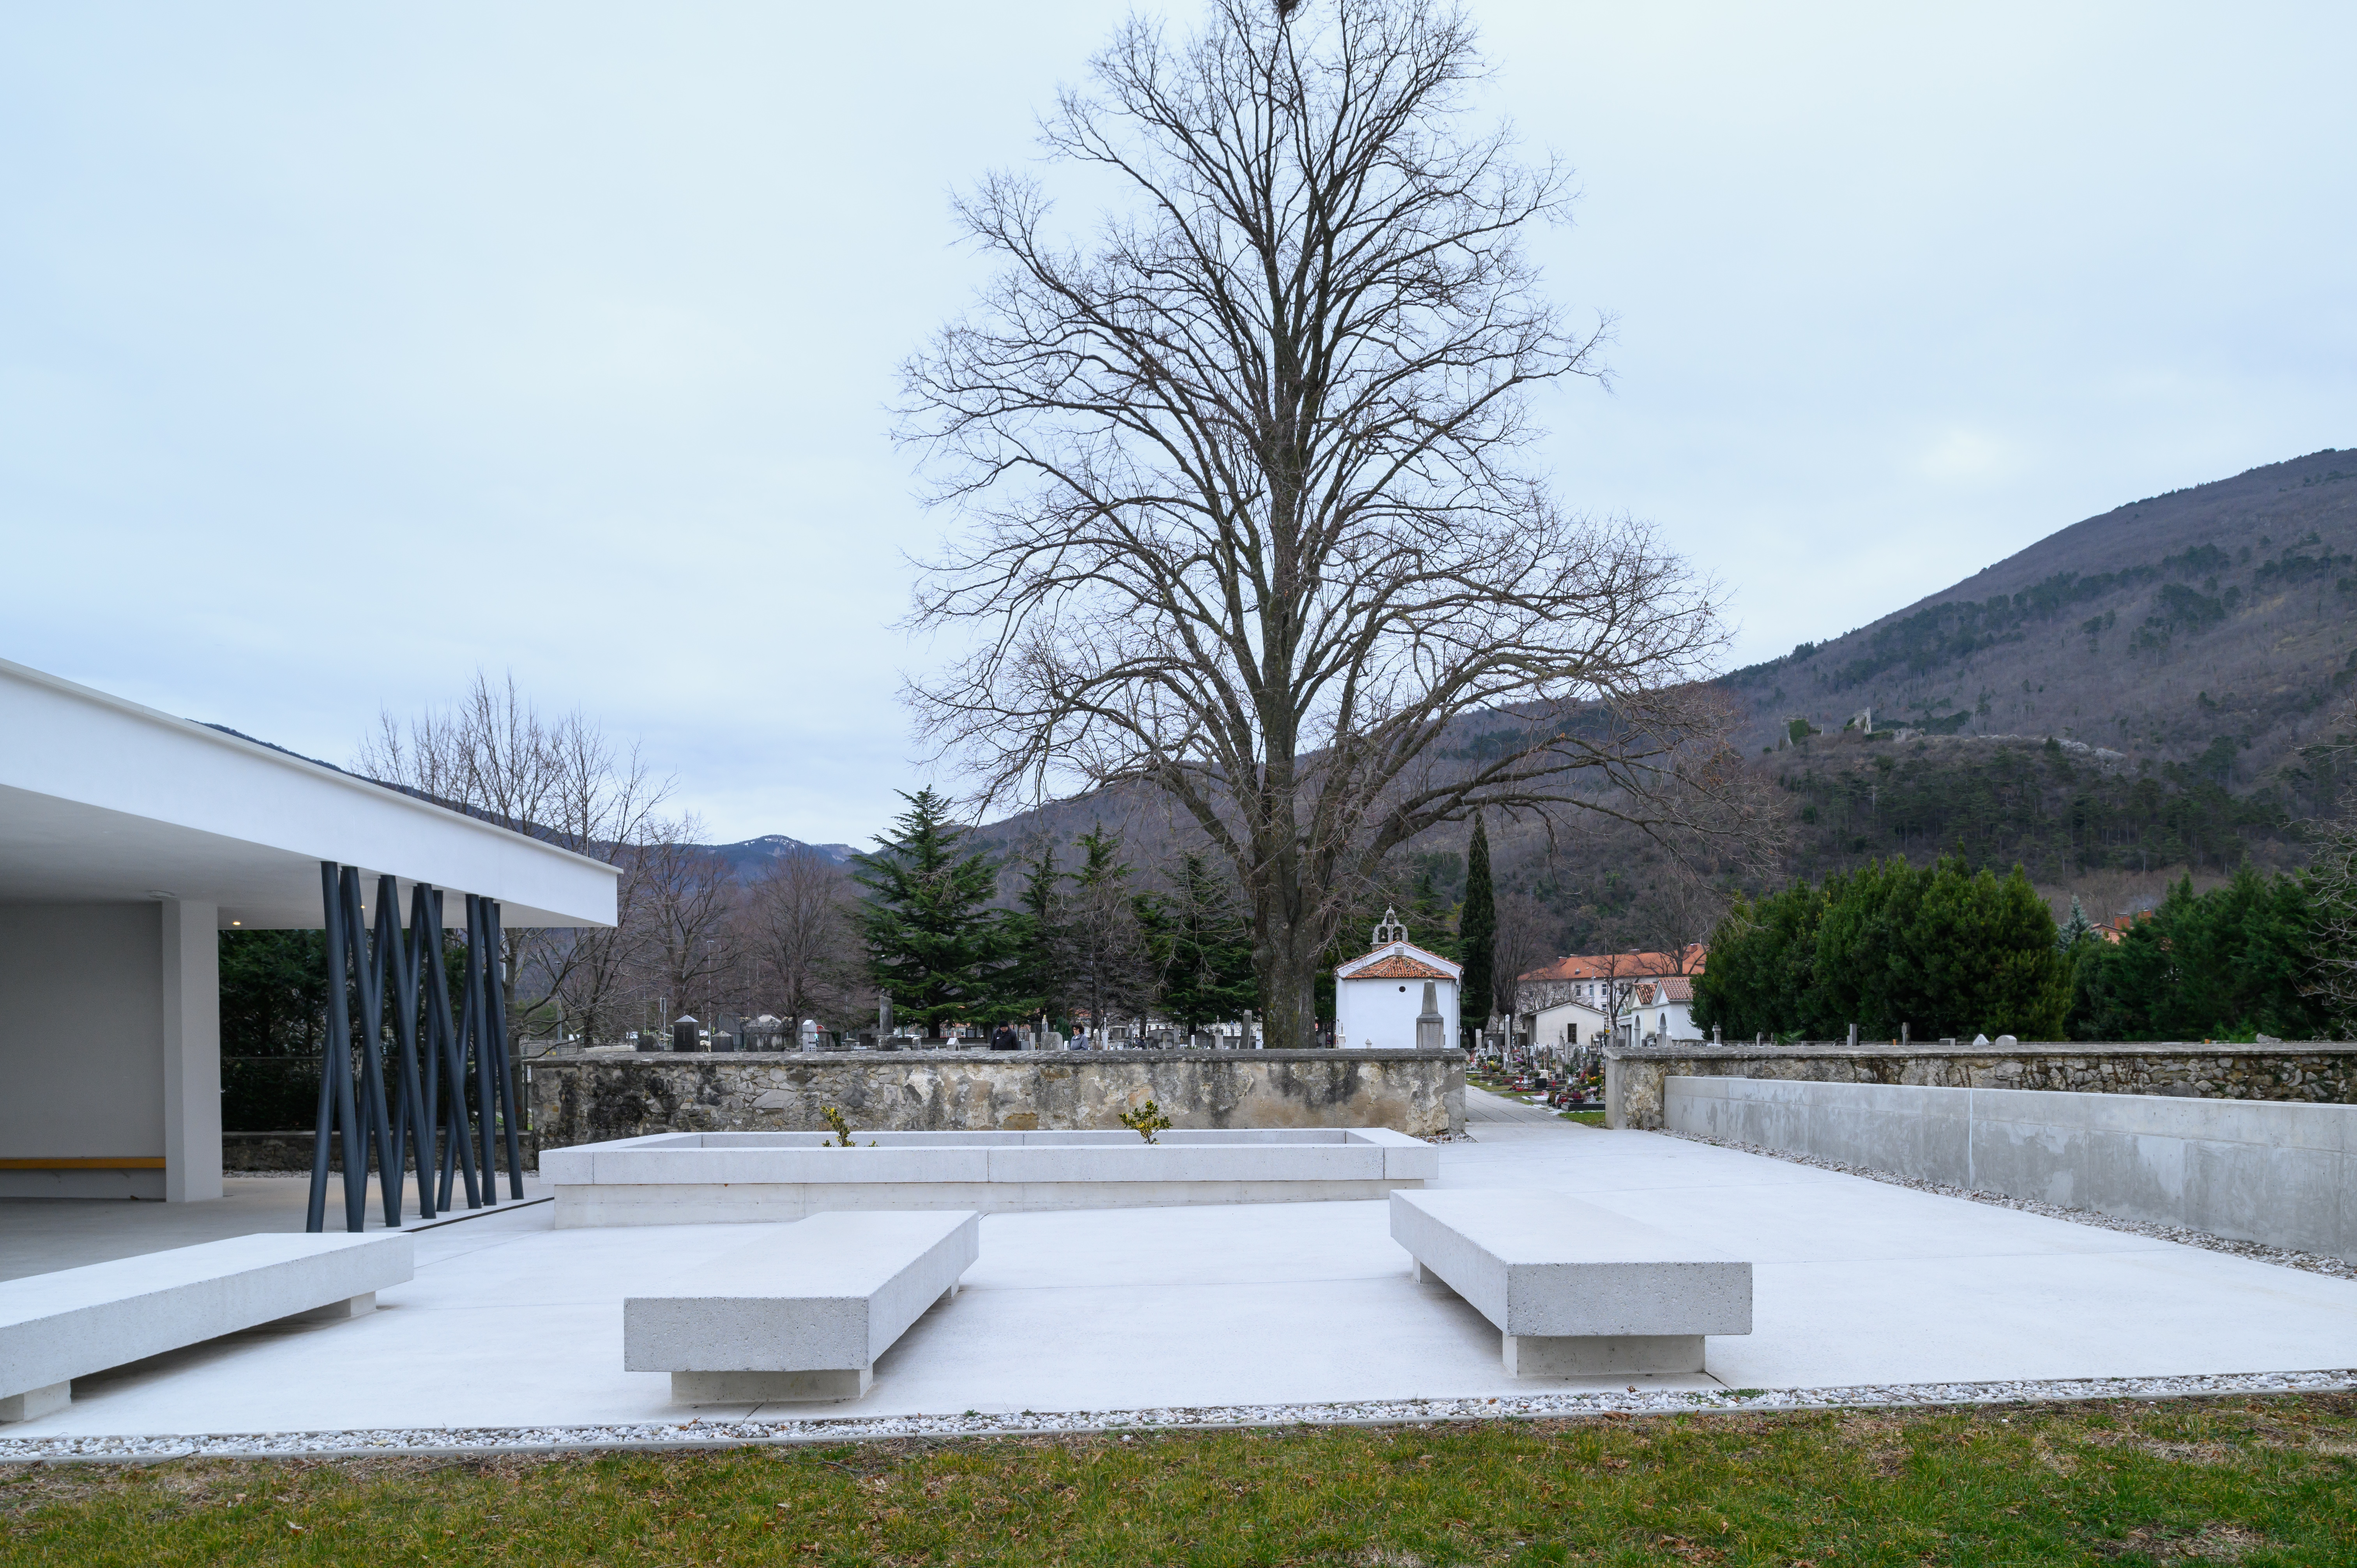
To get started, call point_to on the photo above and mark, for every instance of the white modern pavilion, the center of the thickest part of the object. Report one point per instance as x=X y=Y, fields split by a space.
x=128 y=840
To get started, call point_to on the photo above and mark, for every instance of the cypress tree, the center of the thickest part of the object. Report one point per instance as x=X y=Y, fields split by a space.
x=1477 y=934
x=934 y=946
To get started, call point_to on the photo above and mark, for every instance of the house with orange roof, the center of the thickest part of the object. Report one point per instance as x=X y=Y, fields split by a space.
x=1602 y=979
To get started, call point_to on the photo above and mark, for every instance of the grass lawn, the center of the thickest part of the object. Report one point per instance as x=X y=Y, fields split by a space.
x=1585 y=1118
x=2259 y=1481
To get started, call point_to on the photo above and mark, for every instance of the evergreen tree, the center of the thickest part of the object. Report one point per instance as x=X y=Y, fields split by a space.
x=2076 y=930
x=1941 y=950
x=1202 y=947
x=1110 y=969
x=1037 y=977
x=1763 y=968
x=2236 y=962
x=934 y=946
x=1477 y=934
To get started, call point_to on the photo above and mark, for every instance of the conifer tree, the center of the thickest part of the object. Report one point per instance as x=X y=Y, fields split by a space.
x=1201 y=945
x=1109 y=967
x=1477 y=934
x=934 y=946
x=2074 y=930
x=1037 y=976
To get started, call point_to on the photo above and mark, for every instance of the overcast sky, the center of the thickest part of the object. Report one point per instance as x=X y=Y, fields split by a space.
x=345 y=350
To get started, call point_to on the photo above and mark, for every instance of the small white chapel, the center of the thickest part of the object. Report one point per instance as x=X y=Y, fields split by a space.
x=1379 y=995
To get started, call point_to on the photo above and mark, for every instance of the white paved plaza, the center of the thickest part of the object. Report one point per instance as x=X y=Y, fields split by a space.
x=512 y=1323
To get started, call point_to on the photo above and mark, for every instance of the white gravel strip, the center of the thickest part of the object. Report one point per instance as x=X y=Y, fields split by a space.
x=2314 y=1263
x=489 y=1440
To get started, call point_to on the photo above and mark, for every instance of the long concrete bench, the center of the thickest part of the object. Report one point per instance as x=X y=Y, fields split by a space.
x=1576 y=1290
x=58 y=1326
x=803 y=1317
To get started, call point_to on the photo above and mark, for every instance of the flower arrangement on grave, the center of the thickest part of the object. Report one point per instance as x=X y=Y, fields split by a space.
x=1145 y=1121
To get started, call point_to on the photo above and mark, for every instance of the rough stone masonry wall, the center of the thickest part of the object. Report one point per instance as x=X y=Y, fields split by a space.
x=2323 y=1072
x=589 y=1100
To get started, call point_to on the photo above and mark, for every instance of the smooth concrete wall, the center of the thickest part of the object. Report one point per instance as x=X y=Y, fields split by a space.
x=2252 y=1170
x=110 y=1048
x=81 y=1010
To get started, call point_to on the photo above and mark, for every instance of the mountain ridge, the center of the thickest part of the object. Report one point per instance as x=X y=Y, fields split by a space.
x=2243 y=589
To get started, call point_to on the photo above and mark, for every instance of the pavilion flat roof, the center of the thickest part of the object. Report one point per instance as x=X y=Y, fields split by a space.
x=103 y=801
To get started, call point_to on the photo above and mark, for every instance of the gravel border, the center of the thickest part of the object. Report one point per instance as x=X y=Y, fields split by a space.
x=2259 y=1252
x=459 y=1441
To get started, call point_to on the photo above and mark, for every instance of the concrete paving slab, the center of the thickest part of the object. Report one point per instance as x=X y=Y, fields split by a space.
x=41 y=1235
x=510 y=1322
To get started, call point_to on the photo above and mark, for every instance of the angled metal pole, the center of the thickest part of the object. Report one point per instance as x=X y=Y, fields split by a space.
x=457 y=1153
x=315 y=1217
x=336 y=1057
x=510 y=1118
x=386 y=968
x=368 y=975
x=478 y=1036
x=348 y=937
x=412 y=1138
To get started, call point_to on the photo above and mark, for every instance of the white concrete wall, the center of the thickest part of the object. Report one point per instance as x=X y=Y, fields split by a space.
x=2255 y=1170
x=1381 y=1014
x=110 y=1048
x=81 y=1005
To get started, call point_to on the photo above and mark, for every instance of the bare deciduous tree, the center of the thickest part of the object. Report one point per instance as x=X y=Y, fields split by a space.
x=684 y=913
x=1525 y=941
x=1679 y=912
x=558 y=781
x=798 y=940
x=1246 y=513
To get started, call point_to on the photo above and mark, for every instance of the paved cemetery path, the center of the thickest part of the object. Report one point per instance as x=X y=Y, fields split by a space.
x=1488 y=1116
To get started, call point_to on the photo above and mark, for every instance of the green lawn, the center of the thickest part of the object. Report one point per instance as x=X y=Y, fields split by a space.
x=2260 y=1481
x=1585 y=1118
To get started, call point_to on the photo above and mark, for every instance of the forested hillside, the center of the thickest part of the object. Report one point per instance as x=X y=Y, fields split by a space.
x=2212 y=628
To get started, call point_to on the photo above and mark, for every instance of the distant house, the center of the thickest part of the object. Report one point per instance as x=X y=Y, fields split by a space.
x=1379 y=995
x=1601 y=980
x=1660 y=1009
x=1565 y=1026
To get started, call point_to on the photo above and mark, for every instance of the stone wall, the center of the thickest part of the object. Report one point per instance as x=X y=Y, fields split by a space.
x=592 y=1099
x=2314 y=1071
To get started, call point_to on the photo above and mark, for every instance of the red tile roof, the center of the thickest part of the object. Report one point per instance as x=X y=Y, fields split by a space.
x=1399 y=966
x=1622 y=965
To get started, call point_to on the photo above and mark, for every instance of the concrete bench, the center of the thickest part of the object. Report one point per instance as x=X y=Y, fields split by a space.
x=1576 y=1290
x=58 y=1326
x=803 y=1317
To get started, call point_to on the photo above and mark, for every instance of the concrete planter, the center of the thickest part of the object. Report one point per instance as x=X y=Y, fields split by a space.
x=735 y=1177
